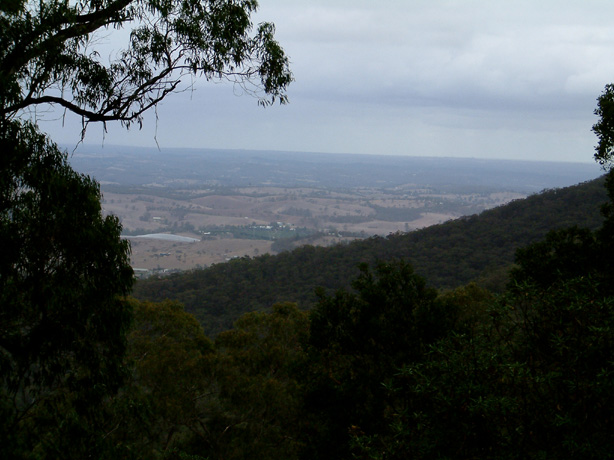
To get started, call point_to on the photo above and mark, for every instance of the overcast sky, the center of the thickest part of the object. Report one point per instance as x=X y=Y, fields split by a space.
x=484 y=78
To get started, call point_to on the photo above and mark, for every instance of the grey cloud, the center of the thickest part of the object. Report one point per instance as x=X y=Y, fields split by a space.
x=415 y=77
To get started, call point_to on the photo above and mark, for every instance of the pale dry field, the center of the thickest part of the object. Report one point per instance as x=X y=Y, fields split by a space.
x=193 y=212
x=161 y=254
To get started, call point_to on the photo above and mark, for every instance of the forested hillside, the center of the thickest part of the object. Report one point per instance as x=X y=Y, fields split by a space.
x=390 y=362
x=479 y=247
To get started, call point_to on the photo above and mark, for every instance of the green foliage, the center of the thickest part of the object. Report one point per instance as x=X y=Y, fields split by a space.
x=189 y=398
x=572 y=253
x=604 y=128
x=259 y=364
x=565 y=253
x=358 y=341
x=161 y=411
x=62 y=272
x=531 y=379
x=448 y=255
x=47 y=54
x=606 y=233
x=387 y=316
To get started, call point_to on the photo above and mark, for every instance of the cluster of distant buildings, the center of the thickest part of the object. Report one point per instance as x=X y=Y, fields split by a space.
x=142 y=273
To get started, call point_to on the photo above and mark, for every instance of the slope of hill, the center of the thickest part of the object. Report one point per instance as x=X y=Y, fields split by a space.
x=447 y=255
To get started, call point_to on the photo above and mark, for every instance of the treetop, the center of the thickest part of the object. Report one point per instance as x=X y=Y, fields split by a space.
x=50 y=54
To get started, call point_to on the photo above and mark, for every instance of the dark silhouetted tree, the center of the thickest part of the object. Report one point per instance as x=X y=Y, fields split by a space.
x=49 y=54
x=63 y=271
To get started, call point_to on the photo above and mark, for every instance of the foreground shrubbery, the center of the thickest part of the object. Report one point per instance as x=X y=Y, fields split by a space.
x=389 y=369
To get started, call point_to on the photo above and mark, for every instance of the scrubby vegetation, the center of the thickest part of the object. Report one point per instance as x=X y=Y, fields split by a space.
x=390 y=368
x=384 y=361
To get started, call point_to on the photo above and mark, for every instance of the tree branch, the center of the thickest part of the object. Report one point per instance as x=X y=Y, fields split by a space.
x=85 y=24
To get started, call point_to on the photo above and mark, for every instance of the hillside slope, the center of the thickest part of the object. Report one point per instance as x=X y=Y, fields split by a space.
x=447 y=255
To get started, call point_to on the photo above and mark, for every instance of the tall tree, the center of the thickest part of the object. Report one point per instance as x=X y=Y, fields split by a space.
x=62 y=321
x=166 y=406
x=260 y=363
x=604 y=128
x=49 y=55
x=64 y=267
x=358 y=340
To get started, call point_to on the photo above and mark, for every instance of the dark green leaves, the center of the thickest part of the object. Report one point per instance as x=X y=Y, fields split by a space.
x=62 y=274
x=604 y=128
x=48 y=45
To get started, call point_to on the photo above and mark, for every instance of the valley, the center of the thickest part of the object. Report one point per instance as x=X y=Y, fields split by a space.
x=251 y=221
x=232 y=204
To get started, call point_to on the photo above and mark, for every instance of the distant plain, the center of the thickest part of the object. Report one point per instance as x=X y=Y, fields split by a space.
x=248 y=203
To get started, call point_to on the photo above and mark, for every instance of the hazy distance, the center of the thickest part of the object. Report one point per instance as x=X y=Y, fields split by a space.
x=481 y=79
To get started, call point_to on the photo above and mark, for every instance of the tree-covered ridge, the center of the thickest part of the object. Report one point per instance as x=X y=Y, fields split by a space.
x=390 y=368
x=386 y=367
x=448 y=255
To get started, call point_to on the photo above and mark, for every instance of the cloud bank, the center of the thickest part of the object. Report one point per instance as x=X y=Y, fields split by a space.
x=470 y=78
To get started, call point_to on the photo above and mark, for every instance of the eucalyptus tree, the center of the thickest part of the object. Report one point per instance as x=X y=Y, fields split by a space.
x=50 y=54
x=604 y=128
x=64 y=268
x=63 y=271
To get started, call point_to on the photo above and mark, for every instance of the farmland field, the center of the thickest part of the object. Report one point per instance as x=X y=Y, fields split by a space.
x=241 y=203
x=248 y=221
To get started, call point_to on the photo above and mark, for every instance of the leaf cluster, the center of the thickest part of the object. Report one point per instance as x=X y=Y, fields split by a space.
x=50 y=54
x=235 y=398
x=63 y=271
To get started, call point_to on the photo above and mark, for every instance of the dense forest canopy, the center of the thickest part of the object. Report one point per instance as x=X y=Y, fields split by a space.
x=380 y=366
x=477 y=248
x=64 y=274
